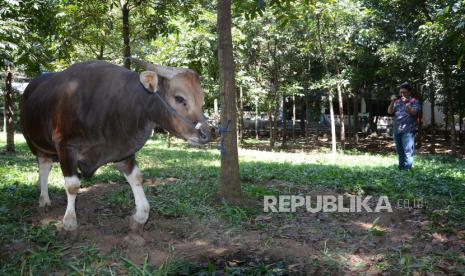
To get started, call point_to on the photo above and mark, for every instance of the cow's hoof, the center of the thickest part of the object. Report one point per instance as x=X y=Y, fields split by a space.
x=44 y=203
x=70 y=226
x=71 y=236
x=135 y=226
x=44 y=210
x=70 y=223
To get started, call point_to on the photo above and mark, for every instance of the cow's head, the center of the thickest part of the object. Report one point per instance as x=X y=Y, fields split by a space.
x=181 y=90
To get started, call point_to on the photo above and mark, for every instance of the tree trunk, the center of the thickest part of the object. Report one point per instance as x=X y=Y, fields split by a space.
x=372 y=119
x=9 y=112
x=274 y=96
x=240 y=124
x=270 y=120
x=461 y=138
x=341 y=115
x=318 y=108
x=101 y=51
x=450 y=111
x=230 y=185
x=126 y=41
x=303 y=117
x=330 y=96
x=433 y=121
x=339 y=92
x=356 y=120
x=284 y=122
x=446 y=123
x=349 y=116
x=215 y=107
x=461 y=117
x=293 y=117
x=274 y=110
x=453 y=146
x=308 y=118
x=333 y=125
x=317 y=131
x=4 y=117
x=419 y=138
x=275 y=122
x=256 y=118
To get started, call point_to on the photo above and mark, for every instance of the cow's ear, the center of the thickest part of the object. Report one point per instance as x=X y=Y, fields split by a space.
x=149 y=80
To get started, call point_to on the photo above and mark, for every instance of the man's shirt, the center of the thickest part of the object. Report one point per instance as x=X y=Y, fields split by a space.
x=403 y=120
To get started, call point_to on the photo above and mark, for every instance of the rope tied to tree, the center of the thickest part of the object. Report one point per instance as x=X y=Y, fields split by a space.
x=222 y=131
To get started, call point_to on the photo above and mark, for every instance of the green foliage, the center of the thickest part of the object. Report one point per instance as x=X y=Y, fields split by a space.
x=366 y=44
x=27 y=34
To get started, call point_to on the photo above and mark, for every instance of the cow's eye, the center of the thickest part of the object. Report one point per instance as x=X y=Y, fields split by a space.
x=179 y=99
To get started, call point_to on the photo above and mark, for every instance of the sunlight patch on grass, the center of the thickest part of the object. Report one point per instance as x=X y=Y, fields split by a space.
x=369 y=160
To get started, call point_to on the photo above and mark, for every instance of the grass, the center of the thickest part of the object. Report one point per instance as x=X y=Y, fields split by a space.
x=439 y=181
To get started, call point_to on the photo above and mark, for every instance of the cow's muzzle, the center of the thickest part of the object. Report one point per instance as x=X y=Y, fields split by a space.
x=204 y=131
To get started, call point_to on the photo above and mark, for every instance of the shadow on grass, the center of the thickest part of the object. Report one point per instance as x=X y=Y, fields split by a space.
x=438 y=180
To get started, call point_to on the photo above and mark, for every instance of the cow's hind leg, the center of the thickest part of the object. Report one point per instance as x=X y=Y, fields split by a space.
x=45 y=165
x=133 y=175
x=68 y=163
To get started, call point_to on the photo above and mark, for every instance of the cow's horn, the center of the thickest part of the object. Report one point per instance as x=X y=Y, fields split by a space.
x=164 y=71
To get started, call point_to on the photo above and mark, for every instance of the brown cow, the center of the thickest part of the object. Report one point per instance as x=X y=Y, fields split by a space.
x=96 y=112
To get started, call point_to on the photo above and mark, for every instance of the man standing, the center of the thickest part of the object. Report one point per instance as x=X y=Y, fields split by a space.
x=405 y=110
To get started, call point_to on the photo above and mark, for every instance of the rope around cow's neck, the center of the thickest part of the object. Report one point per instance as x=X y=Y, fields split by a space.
x=173 y=111
x=198 y=125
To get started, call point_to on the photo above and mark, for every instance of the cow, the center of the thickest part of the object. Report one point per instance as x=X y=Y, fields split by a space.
x=95 y=112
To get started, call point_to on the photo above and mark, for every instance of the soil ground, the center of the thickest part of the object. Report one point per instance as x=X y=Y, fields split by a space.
x=369 y=144
x=307 y=243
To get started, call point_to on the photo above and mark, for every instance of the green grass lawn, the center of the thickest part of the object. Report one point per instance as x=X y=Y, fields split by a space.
x=438 y=180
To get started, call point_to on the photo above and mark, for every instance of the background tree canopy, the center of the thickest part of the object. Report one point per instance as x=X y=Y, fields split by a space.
x=287 y=53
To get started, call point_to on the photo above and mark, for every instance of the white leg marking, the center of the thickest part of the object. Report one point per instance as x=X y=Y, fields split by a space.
x=72 y=185
x=45 y=165
x=142 y=205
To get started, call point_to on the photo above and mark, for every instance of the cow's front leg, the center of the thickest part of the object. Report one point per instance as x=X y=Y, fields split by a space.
x=68 y=163
x=72 y=185
x=133 y=175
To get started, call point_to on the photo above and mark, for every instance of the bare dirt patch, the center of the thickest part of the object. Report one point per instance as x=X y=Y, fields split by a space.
x=307 y=243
